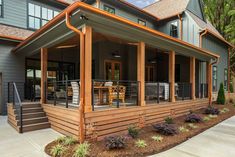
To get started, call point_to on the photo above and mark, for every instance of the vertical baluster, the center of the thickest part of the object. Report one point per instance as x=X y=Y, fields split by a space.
x=118 y=105
x=158 y=92
x=93 y=96
x=66 y=93
x=169 y=91
x=183 y=91
x=54 y=86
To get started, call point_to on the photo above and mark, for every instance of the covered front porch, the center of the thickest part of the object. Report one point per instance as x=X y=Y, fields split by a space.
x=115 y=71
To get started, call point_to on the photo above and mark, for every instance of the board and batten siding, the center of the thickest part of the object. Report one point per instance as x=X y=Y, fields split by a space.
x=216 y=46
x=194 y=6
x=12 y=68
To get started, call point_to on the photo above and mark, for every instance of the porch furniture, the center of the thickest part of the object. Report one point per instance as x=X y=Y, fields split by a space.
x=108 y=84
x=116 y=92
x=101 y=91
x=75 y=88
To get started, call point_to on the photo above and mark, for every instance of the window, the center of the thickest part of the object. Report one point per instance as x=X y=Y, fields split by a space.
x=38 y=16
x=174 y=29
x=1 y=8
x=142 y=22
x=109 y=9
x=214 y=78
x=226 y=79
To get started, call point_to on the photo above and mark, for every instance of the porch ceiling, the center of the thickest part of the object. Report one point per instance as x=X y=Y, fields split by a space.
x=109 y=25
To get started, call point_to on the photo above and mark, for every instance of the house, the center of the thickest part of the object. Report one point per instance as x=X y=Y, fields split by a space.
x=99 y=66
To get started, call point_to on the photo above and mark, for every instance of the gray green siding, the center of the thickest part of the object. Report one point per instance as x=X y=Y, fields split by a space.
x=194 y=6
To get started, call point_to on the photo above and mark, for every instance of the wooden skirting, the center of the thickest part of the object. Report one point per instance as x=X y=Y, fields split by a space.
x=11 y=117
x=100 y=124
x=63 y=120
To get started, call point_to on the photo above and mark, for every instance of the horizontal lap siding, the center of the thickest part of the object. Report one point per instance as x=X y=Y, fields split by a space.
x=65 y=121
x=110 y=122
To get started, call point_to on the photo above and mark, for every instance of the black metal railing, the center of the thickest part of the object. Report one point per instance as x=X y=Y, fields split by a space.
x=64 y=93
x=156 y=92
x=183 y=91
x=17 y=106
x=203 y=90
x=114 y=93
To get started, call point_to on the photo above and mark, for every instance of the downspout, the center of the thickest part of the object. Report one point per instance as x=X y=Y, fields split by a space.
x=181 y=26
x=82 y=76
x=98 y=4
x=201 y=35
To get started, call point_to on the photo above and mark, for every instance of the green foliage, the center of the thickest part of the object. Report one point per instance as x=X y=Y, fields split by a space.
x=60 y=139
x=192 y=126
x=206 y=119
x=82 y=150
x=212 y=116
x=221 y=95
x=224 y=110
x=169 y=120
x=157 y=138
x=231 y=88
x=140 y=144
x=57 y=150
x=133 y=131
x=183 y=129
x=69 y=141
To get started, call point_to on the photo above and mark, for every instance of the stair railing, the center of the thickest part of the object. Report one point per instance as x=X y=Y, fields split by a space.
x=17 y=104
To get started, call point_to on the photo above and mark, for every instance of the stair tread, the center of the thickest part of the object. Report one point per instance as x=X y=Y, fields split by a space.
x=28 y=119
x=32 y=113
x=31 y=108
x=35 y=124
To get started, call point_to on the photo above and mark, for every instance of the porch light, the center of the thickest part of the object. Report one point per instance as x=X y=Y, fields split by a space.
x=116 y=55
x=152 y=61
x=66 y=46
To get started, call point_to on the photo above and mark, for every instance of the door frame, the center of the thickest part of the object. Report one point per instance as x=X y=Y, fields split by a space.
x=112 y=62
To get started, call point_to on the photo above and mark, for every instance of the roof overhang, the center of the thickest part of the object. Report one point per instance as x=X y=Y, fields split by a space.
x=56 y=31
x=11 y=38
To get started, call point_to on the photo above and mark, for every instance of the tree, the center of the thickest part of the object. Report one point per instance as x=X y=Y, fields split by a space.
x=221 y=95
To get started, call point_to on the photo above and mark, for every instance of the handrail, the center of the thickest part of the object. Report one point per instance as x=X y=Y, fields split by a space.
x=17 y=100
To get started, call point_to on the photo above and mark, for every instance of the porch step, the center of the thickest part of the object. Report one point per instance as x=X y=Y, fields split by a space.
x=33 y=120
x=32 y=115
x=36 y=126
x=31 y=105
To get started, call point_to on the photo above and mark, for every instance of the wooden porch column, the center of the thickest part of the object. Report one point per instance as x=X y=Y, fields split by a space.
x=141 y=72
x=192 y=77
x=209 y=81
x=87 y=30
x=172 y=75
x=44 y=57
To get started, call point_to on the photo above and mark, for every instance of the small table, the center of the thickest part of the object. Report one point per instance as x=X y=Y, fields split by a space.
x=101 y=90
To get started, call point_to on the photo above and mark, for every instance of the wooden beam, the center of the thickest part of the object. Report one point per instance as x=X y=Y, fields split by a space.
x=172 y=75
x=192 y=77
x=44 y=58
x=141 y=72
x=209 y=81
x=87 y=30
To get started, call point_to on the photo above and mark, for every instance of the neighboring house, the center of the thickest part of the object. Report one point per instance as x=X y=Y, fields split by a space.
x=108 y=50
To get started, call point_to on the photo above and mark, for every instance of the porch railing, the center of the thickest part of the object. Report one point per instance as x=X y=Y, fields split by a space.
x=183 y=91
x=156 y=92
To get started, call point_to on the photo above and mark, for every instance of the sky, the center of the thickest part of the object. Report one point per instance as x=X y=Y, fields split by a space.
x=141 y=3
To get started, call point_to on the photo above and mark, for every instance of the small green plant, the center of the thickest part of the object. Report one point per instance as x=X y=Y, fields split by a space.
x=133 y=131
x=69 y=141
x=231 y=88
x=192 y=126
x=61 y=139
x=224 y=110
x=140 y=144
x=213 y=116
x=82 y=150
x=57 y=150
x=157 y=138
x=169 y=120
x=221 y=95
x=206 y=119
x=183 y=129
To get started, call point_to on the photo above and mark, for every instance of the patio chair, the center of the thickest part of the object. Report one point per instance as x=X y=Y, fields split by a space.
x=75 y=88
x=113 y=94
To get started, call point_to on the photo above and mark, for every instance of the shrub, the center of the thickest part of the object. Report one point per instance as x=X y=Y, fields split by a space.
x=57 y=150
x=183 y=129
x=193 y=118
x=206 y=119
x=221 y=95
x=157 y=138
x=192 y=126
x=115 y=142
x=231 y=88
x=69 y=141
x=169 y=120
x=165 y=129
x=212 y=116
x=212 y=110
x=133 y=131
x=82 y=150
x=140 y=144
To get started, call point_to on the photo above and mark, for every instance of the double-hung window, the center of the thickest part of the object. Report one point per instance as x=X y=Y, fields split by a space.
x=142 y=22
x=109 y=9
x=174 y=29
x=214 y=78
x=226 y=79
x=1 y=8
x=39 y=16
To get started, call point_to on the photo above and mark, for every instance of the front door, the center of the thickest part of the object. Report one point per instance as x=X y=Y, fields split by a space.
x=113 y=70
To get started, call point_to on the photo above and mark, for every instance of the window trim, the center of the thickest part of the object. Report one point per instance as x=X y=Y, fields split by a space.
x=177 y=29
x=226 y=81
x=107 y=6
x=216 y=80
x=40 y=18
x=2 y=9
x=140 y=20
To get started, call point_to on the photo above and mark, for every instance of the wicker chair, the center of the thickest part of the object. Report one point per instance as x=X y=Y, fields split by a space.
x=113 y=94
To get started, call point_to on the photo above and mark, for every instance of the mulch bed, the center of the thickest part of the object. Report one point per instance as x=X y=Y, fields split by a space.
x=98 y=148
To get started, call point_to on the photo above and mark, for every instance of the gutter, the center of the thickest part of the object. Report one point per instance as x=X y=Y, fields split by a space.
x=201 y=35
x=82 y=75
